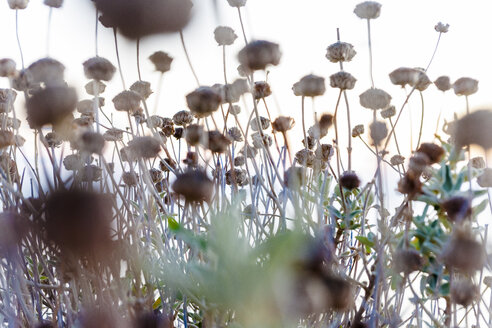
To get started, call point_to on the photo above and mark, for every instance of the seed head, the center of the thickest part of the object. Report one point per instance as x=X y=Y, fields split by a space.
x=7 y=99
x=388 y=112
x=283 y=124
x=90 y=173
x=342 y=80
x=155 y=122
x=73 y=162
x=368 y=10
x=264 y=122
x=463 y=253
x=53 y=139
x=203 y=101
x=130 y=178
x=423 y=80
x=7 y=67
x=340 y=52
x=324 y=152
x=465 y=86
x=142 y=88
x=418 y=162
x=50 y=106
x=91 y=143
x=195 y=186
x=167 y=165
x=477 y=162
x=127 y=101
x=485 y=179
x=407 y=260
x=349 y=180
x=305 y=157
x=234 y=109
x=239 y=160
x=183 y=118
x=410 y=184
x=375 y=99
x=404 y=75
x=224 y=35
x=443 y=83
x=156 y=175
x=464 y=292
x=261 y=90
x=235 y=134
x=13 y=228
x=309 y=142
x=237 y=177
x=434 y=152
x=99 y=68
x=18 y=4
x=249 y=152
x=48 y=71
x=474 y=128
x=144 y=147
x=397 y=160
x=162 y=61
x=310 y=86
x=237 y=3
x=257 y=55
x=113 y=134
x=6 y=139
x=217 y=142
x=54 y=3
x=378 y=132
x=441 y=28
x=293 y=176
x=193 y=134
x=458 y=208
x=357 y=130
x=191 y=159
x=259 y=142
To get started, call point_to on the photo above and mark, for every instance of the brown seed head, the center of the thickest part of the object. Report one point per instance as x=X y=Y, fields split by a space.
x=99 y=68
x=195 y=186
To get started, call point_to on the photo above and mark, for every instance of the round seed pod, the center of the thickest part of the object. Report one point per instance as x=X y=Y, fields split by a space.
x=239 y=160
x=6 y=139
x=388 y=112
x=7 y=67
x=324 y=152
x=293 y=176
x=464 y=292
x=434 y=152
x=474 y=128
x=310 y=86
x=257 y=55
x=191 y=159
x=418 y=162
x=465 y=86
x=73 y=162
x=142 y=88
x=443 y=83
x=283 y=124
x=441 y=28
x=357 y=130
x=235 y=134
x=50 y=106
x=99 y=68
x=407 y=260
x=48 y=71
x=224 y=35
x=305 y=157
x=397 y=160
x=462 y=252
x=368 y=10
x=92 y=86
x=53 y=3
x=113 y=134
x=378 y=132
x=349 y=180
x=183 y=118
x=375 y=99
x=89 y=173
x=403 y=76
x=423 y=80
x=410 y=184
x=340 y=52
x=144 y=147
x=194 y=186
x=193 y=134
x=260 y=141
x=342 y=80
x=217 y=142
x=127 y=101
x=156 y=175
x=91 y=142
x=261 y=90
x=477 y=162
x=458 y=208
x=485 y=179
x=264 y=122
x=162 y=61
x=178 y=133
x=237 y=3
x=203 y=101
x=237 y=177
x=130 y=179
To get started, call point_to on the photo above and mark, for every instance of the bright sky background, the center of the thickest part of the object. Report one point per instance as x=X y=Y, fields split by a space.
x=402 y=36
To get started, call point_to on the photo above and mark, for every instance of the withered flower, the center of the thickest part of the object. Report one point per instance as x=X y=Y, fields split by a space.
x=195 y=186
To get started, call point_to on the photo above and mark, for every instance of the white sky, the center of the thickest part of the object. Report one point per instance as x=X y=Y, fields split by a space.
x=402 y=36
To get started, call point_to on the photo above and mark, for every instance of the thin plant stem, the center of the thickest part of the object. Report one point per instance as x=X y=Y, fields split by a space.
x=370 y=51
x=434 y=53
x=48 y=32
x=188 y=57
x=115 y=36
x=96 y=34
x=242 y=25
x=17 y=36
x=421 y=120
x=138 y=60
x=304 y=123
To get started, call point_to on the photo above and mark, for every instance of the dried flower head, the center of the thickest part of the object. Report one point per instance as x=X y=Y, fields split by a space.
x=144 y=147
x=7 y=99
x=239 y=160
x=397 y=160
x=50 y=106
x=261 y=140
x=48 y=71
x=75 y=227
x=309 y=142
x=485 y=179
x=443 y=83
x=418 y=162
x=305 y=157
x=235 y=134
x=423 y=80
x=6 y=139
x=357 y=130
x=193 y=134
x=7 y=67
x=53 y=139
x=203 y=101
x=237 y=177
x=162 y=61
x=465 y=86
x=113 y=134
x=378 y=132
x=349 y=180
x=18 y=4
x=293 y=176
x=257 y=55
x=462 y=252
x=249 y=152
x=441 y=28
x=237 y=3
x=89 y=173
x=217 y=142
x=477 y=162
x=464 y=292
x=167 y=165
x=407 y=260
x=142 y=88
x=324 y=152
x=458 y=208
x=183 y=118
x=130 y=179
x=54 y=3
x=195 y=186
x=73 y=162
x=375 y=99
x=283 y=124
x=234 y=109
x=13 y=228
x=474 y=128
x=99 y=68
x=388 y=112
x=340 y=52
x=91 y=143
x=224 y=35
x=127 y=101
x=155 y=122
x=310 y=86
x=434 y=152
x=156 y=175
x=227 y=92
x=135 y=19
x=342 y=80
x=410 y=184
x=404 y=75
x=264 y=122
x=368 y=10
x=261 y=90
